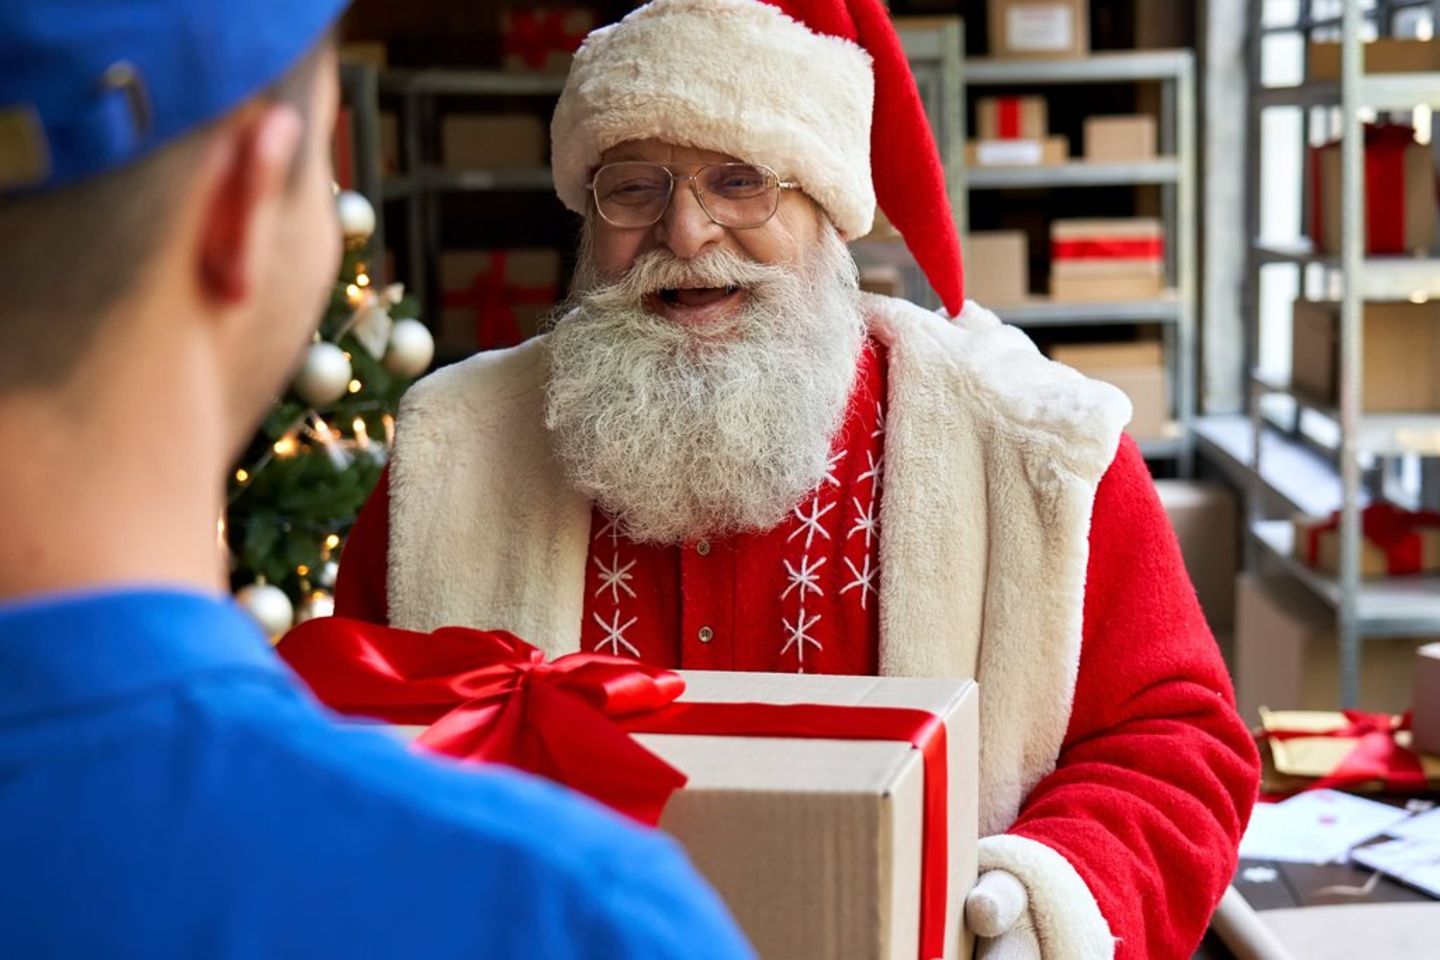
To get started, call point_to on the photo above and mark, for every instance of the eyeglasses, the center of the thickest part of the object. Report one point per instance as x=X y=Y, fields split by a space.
x=636 y=193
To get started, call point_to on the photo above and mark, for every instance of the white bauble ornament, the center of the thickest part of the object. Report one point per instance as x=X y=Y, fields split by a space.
x=329 y=571
x=357 y=216
x=269 y=606
x=324 y=376
x=411 y=348
x=318 y=604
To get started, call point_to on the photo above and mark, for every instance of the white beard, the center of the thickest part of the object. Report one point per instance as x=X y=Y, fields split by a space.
x=677 y=436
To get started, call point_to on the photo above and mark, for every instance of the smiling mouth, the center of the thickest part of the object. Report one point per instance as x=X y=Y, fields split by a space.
x=695 y=296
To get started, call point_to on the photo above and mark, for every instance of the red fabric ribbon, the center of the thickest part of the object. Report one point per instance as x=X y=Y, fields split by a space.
x=1376 y=755
x=1109 y=248
x=491 y=696
x=1385 y=188
x=533 y=35
x=494 y=302
x=1393 y=530
x=1008 y=118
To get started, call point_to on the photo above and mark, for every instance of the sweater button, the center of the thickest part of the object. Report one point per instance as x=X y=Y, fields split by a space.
x=706 y=634
x=703 y=548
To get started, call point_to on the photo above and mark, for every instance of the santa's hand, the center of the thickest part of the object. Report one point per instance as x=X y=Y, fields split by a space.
x=998 y=911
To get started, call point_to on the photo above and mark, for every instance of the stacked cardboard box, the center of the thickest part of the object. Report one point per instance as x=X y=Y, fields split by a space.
x=1123 y=139
x=1399 y=195
x=1205 y=518
x=997 y=267
x=1138 y=369
x=1098 y=260
x=495 y=298
x=1011 y=118
x=1426 y=699
x=1400 y=354
x=1385 y=55
x=1039 y=29
x=492 y=141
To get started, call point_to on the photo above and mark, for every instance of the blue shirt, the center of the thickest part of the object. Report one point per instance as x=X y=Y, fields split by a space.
x=166 y=790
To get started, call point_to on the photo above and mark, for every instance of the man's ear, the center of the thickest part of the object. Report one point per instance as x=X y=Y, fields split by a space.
x=247 y=175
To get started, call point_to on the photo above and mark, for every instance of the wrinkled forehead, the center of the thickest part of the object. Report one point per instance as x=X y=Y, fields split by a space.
x=662 y=151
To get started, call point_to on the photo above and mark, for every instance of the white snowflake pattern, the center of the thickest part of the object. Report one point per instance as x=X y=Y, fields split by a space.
x=830 y=467
x=799 y=632
x=611 y=530
x=879 y=430
x=864 y=580
x=877 y=465
x=865 y=521
x=615 y=577
x=811 y=525
x=805 y=578
x=615 y=635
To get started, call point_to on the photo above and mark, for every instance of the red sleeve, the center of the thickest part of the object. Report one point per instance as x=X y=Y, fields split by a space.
x=1157 y=774
x=360 y=585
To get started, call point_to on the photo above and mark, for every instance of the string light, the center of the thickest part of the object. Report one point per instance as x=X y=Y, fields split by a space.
x=353 y=293
x=303 y=570
x=242 y=475
x=332 y=541
x=363 y=280
x=362 y=434
x=286 y=447
x=356 y=386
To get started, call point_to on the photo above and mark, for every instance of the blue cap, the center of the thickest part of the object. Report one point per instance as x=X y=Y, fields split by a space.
x=88 y=86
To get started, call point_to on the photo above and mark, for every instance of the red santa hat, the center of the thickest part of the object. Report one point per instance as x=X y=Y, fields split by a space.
x=818 y=90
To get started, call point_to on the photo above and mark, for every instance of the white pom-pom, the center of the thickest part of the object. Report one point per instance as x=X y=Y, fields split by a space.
x=411 y=348
x=324 y=376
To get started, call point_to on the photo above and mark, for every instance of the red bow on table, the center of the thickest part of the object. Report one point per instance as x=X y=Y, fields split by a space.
x=490 y=696
x=1376 y=755
x=1393 y=530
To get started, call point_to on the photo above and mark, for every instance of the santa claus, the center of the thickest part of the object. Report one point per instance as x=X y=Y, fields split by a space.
x=725 y=456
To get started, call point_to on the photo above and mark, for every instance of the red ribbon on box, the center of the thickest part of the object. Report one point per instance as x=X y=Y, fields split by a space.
x=1393 y=530
x=1376 y=755
x=532 y=35
x=1007 y=112
x=490 y=696
x=1109 y=248
x=1385 y=146
x=494 y=302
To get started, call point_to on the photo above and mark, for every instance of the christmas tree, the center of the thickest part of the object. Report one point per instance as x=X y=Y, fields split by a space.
x=298 y=488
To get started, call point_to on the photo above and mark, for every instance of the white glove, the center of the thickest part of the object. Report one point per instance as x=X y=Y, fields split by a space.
x=998 y=911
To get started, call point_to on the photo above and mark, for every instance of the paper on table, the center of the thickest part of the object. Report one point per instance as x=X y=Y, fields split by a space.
x=1318 y=826
x=1413 y=862
x=1424 y=827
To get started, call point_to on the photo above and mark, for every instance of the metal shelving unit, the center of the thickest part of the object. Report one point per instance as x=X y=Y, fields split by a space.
x=1174 y=172
x=1282 y=469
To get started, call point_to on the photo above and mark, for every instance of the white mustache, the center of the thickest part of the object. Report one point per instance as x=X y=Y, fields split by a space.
x=661 y=270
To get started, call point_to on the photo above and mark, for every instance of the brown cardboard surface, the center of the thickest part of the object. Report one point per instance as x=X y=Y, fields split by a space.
x=1384 y=55
x=1039 y=29
x=1420 y=199
x=499 y=141
x=1128 y=227
x=1050 y=152
x=997 y=267
x=1127 y=139
x=1286 y=656
x=529 y=268
x=882 y=278
x=1034 y=119
x=1205 y=519
x=1136 y=369
x=814 y=844
x=1319 y=755
x=1425 y=700
x=1400 y=354
x=1073 y=286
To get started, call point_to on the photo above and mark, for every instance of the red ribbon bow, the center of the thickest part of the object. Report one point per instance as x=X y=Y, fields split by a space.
x=535 y=34
x=1393 y=530
x=1376 y=755
x=497 y=324
x=491 y=696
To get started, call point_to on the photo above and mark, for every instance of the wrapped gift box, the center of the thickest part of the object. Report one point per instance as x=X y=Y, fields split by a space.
x=500 y=141
x=543 y=39
x=1206 y=522
x=1127 y=139
x=1394 y=542
x=997 y=267
x=495 y=298
x=1098 y=260
x=1039 y=29
x=1383 y=55
x=1426 y=700
x=1399 y=196
x=1138 y=369
x=1301 y=759
x=1049 y=152
x=1286 y=653
x=1400 y=355
x=1011 y=118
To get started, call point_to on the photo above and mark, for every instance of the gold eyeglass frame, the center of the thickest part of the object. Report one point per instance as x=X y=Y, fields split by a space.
x=694 y=188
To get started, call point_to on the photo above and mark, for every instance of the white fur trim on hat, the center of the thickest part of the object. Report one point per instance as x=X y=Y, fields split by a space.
x=734 y=76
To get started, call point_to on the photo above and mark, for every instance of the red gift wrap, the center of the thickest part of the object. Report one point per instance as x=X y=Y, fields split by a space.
x=1397 y=532
x=494 y=300
x=1388 y=207
x=1376 y=756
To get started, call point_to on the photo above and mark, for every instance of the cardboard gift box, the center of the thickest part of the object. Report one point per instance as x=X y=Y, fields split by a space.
x=1307 y=746
x=500 y=141
x=1287 y=655
x=997 y=267
x=882 y=278
x=1206 y=522
x=495 y=298
x=545 y=39
x=1011 y=118
x=1124 y=139
x=1400 y=365
x=1394 y=542
x=1382 y=55
x=1137 y=369
x=1049 y=152
x=1039 y=29
x=1426 y=699
x=1098 y=260
x=1399 y=195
